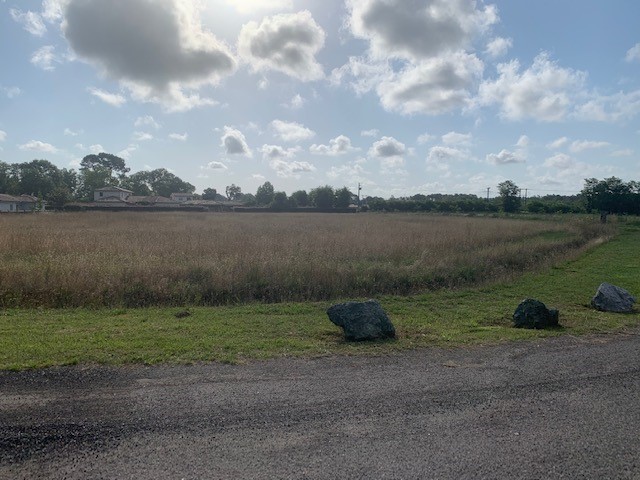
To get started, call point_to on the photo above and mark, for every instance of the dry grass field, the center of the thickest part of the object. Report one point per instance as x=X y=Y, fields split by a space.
x=142 y=259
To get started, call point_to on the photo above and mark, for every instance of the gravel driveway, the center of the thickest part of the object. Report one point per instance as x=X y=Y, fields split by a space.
x=559 y=408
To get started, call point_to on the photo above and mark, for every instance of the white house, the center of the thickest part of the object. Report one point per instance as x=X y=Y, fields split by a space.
x=111 y=194
x=12 y=204
x=182 y=197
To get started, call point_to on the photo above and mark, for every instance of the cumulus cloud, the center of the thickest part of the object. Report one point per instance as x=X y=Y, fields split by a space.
x=505 y=157
x=418 y=29
x=216 y=166
x=3 y=135
x=157 y=48
x=582 y=145
x=557 y=143
x=387 y=147
x=10 y=92
x=364 y=73
x=523 y=141
x=337 y=146
x=543 y=92
x=560 y=161
x=285 y=43
x=433 y=87
x=455 y=138
x=181 y=137
x=142 y=136
x=45 y=58
x=251 y=6
x=498 y=47
x=292 y=169
x=633 y=54
x=276 y=151
x=441 y=154
x=128 y=151
x=30 y=21
x=146 y=121
x=113 y=99
x=38 y=146
x=291 y=131
x=425 y=138
x=71 y=133
x=610 y=108
x=374 y=132
x=627 y=152
x=96 y=148
x=352 y=171
x=234 y=142
x=296 y=102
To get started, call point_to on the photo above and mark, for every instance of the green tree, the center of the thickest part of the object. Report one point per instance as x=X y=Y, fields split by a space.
x=101 y=170
x=280 y=201
x=59 y=196
x=300 y=198
x=509 y=196
x=611 y=195
x=264 y=194
x=233 y=192
x=343 y=198
x=322 y=197
x=107 y=161
x=209 y=194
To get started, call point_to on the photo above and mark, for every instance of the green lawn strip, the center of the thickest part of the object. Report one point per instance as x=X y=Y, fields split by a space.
x=32 y=338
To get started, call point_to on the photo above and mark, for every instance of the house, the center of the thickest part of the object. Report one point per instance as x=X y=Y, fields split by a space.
x=182 y=197
x=151 y=200
x=13 y=204
x=111 y=194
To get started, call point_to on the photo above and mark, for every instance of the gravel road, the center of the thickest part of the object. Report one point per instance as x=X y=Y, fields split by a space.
x=559 y=408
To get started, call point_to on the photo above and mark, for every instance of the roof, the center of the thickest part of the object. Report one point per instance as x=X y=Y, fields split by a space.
x=149 y=199
x=182 y=194
x=21 y=198
x=112 y=189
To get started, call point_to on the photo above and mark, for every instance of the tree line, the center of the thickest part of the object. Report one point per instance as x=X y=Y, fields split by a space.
x=58 y=186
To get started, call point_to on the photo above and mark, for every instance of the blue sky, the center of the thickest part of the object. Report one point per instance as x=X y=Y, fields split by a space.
x=402 y=96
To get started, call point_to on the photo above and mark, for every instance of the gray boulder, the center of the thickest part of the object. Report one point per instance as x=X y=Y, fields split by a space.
x=534 y=314
x=362 y=321
x=610 y=298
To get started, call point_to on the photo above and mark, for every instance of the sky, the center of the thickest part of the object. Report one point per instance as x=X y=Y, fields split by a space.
x=400 y=96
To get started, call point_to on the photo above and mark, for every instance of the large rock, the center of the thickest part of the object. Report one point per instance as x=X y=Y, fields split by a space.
x=534 y=314
x=610 y=298
x=362 y=320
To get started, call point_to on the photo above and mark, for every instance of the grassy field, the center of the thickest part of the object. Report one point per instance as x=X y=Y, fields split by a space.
x=32 y=338
x=175 y=259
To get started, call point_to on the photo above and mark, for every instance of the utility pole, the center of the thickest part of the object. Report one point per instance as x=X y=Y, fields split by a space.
x=488 y=188
x=359 y=190
x=525 y=195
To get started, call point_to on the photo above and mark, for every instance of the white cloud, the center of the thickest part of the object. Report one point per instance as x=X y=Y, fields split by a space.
x=251 y=6
x=127 y=152
x=557 y=143
x=3 y=135
x=71 y=133
x=38 y=146
x=96 y=148
x=146 y=121
x=181 y=137
x=627 y=152
x=441 y=154
x=337 y=146
x=293 y=169
x=370 y=133
x=156 y=48
x=285 y=43
x=216 y=166
x=44 y=58
x=365 y=74
x=142 y=136
x=455 y=138
x=51 y=10
x=543 y=92
x=10 y=92
x=505 y=157
x=611 y=108
x=234 y=142
x=350 y=172
x=523 y=141
x=560 y=161
x=582 y=145
x=113 y=99
x=291 y=131
x=418 y=29
x=633 y=54
x=276 y=151
x=425 y=138
x=31 y=21
x=296 y=103
x=432 y=87
x=387 y=147
x=498 y=47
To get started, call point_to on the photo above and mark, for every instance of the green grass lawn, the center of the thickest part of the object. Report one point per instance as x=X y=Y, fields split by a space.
x=31 y=338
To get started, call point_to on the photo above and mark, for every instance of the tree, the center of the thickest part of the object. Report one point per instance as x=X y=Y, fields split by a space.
x=101 y=170
x=233 y=192
x=611 y=195
x=343 y=198
x=509 y=196
x=264 y=194
x=209 y=194
x=59 y=196
x=300 y=198
x=280 y=201
x=107 y=161
x=322 y=197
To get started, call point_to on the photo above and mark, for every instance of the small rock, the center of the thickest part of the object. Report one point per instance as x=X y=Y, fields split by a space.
x=610 y=298
x=534 y=314
x=362 y=320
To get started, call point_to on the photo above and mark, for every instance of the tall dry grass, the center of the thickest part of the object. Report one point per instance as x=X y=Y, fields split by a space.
x=140 y=259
